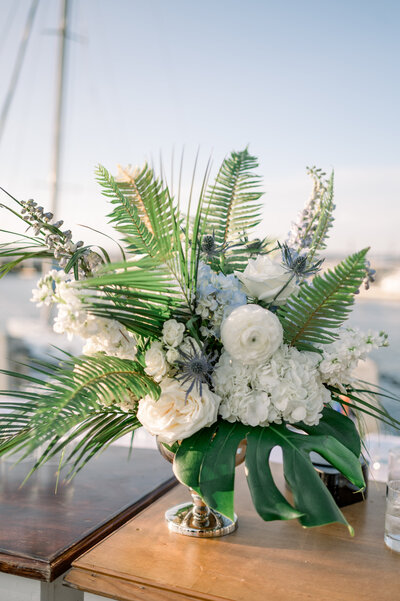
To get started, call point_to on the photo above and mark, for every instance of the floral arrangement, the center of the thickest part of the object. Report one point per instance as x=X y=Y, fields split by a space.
x=204 y=336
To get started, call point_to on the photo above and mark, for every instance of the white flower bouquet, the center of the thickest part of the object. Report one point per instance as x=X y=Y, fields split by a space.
x=204 y=336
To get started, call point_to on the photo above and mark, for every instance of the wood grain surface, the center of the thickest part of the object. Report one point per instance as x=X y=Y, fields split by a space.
x=42 y=532
x=275 y=561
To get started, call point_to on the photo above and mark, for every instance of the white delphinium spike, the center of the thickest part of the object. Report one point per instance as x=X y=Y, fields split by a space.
x=302 y=231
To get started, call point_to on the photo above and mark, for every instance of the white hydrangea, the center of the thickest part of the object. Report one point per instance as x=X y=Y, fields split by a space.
x=217 y=296
x=111 y=338
x=286 y=387
x=341 y=357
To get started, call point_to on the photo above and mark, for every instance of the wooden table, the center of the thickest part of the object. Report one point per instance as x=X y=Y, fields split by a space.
x=42 y=532
x=275 y=561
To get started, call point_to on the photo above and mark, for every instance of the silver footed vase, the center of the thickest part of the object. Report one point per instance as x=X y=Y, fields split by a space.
x=196 y=518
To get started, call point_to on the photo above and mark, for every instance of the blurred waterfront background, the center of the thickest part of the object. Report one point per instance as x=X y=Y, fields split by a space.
x=302 y=83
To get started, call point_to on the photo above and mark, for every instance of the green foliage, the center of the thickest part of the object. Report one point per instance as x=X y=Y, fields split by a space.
x=70 y=398
x=126 y=217
x=137 y=293
x=18 y=251
x=366 y=400
x=231 y=203
x=206 y=463
x=145 y=214
x=322 y=306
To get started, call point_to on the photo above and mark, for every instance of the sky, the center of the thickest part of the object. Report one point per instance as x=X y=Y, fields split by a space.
x=303 y=83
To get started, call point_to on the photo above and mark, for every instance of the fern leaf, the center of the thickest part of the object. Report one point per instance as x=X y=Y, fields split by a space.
x=126 y=217
x=322 y=306
x=153 y=203
x=232 y=201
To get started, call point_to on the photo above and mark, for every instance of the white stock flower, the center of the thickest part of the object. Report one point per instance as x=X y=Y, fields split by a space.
x=265 y=278
x=102 y=335
x=44 y=294
x=173 y=332
x=175 y=416
x=156 y=362
x=251 y=334
x=341 y=357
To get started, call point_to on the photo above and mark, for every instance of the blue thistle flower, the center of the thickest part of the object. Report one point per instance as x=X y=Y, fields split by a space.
x=195 y=367
x=297 y=263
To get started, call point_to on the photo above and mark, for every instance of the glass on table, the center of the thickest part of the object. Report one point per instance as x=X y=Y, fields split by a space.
x=394 y=464
x=392 y=517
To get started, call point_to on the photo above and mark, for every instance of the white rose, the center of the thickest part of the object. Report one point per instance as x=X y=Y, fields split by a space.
x=251 y=334
x=264 y=278
x=156 y=363
x=176 y=416
x=173 y=332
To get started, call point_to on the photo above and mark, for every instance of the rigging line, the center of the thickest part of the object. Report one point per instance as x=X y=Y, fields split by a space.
x=8 y=23
x=18 y=65
x=60 y=102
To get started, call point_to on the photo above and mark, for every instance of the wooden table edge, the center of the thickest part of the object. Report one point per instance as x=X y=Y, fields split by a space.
x=108 y=585
x=49 y=570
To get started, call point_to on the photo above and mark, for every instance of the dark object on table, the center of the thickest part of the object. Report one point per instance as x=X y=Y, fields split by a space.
x=341 y=489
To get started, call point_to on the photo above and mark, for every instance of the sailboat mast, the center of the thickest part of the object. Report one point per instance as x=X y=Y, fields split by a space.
x=60 y=99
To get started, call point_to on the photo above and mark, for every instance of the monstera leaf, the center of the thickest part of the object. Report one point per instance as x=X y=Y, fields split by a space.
x=206 y=463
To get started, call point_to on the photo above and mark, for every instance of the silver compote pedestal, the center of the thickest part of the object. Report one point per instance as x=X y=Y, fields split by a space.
x=196 y=518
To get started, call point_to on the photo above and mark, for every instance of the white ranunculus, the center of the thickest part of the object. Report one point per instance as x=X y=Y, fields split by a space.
x=173 y=332
x=156 y=363
x=175 y=416
x=251 y=334
x=265 y=277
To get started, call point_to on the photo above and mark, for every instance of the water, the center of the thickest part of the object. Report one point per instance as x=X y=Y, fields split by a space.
x=392 y=518
x=383 y=315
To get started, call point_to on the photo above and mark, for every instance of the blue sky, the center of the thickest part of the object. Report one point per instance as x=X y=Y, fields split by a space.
x=302 y=82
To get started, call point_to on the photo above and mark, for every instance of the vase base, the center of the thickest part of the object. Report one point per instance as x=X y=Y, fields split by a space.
x=180 y=520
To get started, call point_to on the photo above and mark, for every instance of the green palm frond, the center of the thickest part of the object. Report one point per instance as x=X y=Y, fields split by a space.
x=16 y=252
x=63 y=396
x=139 y=294
x=231 y=206
x=322 y=306
x=367 y=401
